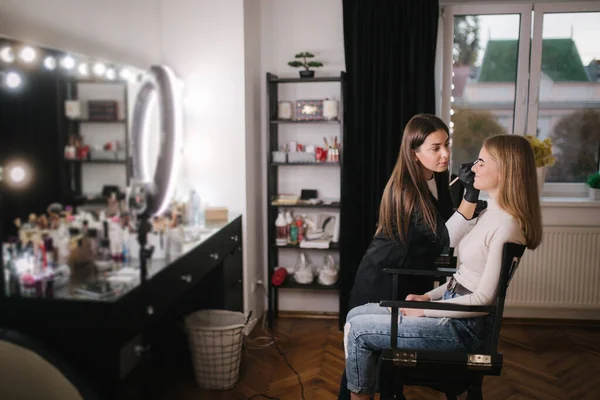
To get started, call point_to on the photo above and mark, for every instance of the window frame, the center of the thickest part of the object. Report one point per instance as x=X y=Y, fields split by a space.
x=521 y=83
x=526 y=106
x=552 y=189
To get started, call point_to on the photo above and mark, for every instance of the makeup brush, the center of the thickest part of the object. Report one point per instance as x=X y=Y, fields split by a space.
x=455 y=179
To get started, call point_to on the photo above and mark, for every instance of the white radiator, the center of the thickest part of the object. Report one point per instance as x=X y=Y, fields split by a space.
x=561 y=278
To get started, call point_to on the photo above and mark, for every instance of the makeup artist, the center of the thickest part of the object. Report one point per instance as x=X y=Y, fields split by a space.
x=415 y=205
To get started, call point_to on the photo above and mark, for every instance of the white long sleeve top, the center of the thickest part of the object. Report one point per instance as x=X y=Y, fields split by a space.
x=480 y=254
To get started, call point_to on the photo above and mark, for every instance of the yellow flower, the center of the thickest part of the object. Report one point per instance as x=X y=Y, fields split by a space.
x=542 y=151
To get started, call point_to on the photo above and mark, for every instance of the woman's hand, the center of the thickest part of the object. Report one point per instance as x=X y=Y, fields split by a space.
x=415 y=312
x=467 y=178
x=418 y=297
x=412 y=312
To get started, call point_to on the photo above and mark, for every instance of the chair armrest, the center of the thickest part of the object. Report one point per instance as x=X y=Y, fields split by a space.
x=436 y=305
x=421 y=272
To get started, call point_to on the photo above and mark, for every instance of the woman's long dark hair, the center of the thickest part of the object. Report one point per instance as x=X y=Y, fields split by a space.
x=406 y=191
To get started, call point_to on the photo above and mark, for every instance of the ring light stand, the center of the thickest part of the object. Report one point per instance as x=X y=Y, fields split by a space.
x=150 y=195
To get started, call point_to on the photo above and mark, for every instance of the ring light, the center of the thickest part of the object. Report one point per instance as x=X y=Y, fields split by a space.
x=158 y=188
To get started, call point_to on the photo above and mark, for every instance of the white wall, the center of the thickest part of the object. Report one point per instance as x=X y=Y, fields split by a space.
x=214 y=47
x=122 y=31
x=289 y=27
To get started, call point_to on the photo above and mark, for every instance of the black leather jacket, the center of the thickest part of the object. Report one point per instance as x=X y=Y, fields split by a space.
x=422 y=247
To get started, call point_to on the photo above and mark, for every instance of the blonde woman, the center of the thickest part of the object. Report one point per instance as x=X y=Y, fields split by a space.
x=505 y=170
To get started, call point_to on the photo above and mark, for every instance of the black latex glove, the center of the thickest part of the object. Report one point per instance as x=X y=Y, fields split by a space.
x=467 y=178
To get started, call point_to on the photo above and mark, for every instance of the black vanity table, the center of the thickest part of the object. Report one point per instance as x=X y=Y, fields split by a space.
x=105 y=340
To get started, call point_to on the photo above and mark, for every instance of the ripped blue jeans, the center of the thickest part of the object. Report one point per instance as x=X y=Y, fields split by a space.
x=367 y=332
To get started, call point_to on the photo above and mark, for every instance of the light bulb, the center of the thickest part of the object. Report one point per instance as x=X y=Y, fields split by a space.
x=126 y=74
x=7 y=55
x=99 y=69
x=17 y=174
x=68 y=62
x=28 y=54
x=111 y=74
x=50 y=63
x=13 y=80
x=83 y=69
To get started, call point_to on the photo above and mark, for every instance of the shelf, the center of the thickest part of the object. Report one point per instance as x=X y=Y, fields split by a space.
x=291 y=121
x=84 y=200
x=97 y=161
x=307 y=80
x=99 y=80
x=92 y=121
x=332 y=205
x=332 y=246
x=291 y=284
x=315 y=164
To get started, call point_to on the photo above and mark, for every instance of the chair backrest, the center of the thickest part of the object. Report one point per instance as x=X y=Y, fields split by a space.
x=511 y=256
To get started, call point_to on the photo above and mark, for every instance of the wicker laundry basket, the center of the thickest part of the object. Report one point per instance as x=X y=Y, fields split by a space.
x=216 y=338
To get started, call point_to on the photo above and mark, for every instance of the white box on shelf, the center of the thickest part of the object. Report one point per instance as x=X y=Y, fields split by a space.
x=301 y=157
x=279 y=156
x=75 y=109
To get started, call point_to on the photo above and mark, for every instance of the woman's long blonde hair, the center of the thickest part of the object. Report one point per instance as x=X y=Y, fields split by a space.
x=406 y=190
x=518 y=190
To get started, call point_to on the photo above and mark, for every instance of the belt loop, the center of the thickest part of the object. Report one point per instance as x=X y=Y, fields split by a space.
x=451 y=284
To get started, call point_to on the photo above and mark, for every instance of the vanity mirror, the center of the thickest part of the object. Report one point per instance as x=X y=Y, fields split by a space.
x=78 y=130
x=65 y=122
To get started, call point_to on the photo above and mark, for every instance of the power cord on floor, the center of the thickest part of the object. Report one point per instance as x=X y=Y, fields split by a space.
x=265 y=396
x=274 y=342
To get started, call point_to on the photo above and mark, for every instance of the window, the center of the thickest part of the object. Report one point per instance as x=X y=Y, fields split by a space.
x=525 y=69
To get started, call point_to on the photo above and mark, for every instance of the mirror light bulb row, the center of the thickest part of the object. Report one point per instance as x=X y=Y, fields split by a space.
x=28 y=55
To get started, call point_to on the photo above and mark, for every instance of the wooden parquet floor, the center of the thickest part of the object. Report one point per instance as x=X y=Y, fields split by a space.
x=542 y=360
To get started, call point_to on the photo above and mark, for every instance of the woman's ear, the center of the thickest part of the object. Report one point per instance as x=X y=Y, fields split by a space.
x=414 y=156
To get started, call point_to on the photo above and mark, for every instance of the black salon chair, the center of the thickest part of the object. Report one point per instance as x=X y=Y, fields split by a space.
x=451 y=372
x=28 y=370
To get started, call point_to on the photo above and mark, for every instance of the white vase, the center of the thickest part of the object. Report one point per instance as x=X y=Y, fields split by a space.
x=594 y=194
x=541 y=178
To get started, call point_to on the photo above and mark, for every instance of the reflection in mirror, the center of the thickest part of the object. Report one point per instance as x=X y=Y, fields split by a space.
x=65 y=155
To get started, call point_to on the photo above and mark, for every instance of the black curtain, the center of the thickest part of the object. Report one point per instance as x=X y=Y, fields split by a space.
x=390 y=48
x=30 y=135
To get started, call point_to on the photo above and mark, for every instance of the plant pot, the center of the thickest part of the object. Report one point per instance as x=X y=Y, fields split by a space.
x=307 y=74
x=594 y=194
x=541 y=178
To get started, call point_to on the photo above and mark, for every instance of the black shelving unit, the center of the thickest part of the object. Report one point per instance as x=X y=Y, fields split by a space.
x=332 y=205
x=273 y=250
x=97 y=161
x=313 y=164
x=73 y=175
x=301 y=122
x=332 y=246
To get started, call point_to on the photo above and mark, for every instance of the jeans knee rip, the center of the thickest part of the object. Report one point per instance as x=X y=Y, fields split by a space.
x=346 y=334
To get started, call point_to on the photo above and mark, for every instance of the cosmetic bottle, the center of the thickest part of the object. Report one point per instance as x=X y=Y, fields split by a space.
x=293 y=234
x=281 y=226
x=289 y=221
x=92 y=235
x=300 y=228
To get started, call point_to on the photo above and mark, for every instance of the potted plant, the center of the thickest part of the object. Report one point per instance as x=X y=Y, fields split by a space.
x=542 y=153
x=304 y=56
x=593 y=182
